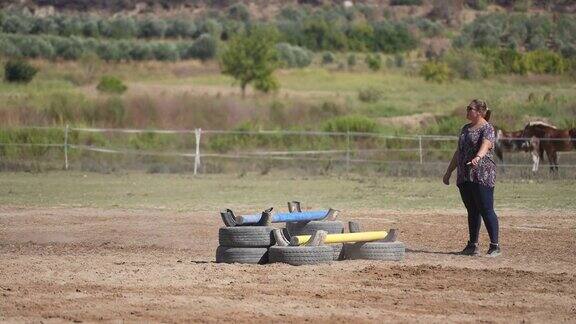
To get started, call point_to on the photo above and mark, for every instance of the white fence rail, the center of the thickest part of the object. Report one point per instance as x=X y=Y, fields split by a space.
x=342 y=155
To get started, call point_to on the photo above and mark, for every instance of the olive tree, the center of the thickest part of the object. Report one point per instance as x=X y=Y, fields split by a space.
x=251 y=57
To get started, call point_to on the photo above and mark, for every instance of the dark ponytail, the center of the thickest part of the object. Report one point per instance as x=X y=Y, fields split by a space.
x=488 y=113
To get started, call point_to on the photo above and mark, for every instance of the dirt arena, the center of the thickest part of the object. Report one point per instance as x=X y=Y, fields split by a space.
x=63 y=264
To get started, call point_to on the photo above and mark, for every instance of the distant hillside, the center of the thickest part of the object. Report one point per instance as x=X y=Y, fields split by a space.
x=263 y=6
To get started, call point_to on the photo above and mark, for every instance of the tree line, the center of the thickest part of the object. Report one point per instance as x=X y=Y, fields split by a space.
x=73 y=48
x=318 y=30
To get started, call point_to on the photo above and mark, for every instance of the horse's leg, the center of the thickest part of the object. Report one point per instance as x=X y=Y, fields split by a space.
x=535 y=161
x=536 y=153
x=552 y=159
x=555 y=157
x=498 y=153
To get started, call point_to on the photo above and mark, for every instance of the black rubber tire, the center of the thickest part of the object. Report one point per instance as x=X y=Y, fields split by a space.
x=337 y=251
x=301 y=255
x=311 y=227
x=385 y=251
x=246 y=236
x=225 y=254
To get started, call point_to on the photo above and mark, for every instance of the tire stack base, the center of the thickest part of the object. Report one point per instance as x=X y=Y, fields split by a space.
x=309 y=228
x=383 y=251
x=244 y=244
x=301 y=255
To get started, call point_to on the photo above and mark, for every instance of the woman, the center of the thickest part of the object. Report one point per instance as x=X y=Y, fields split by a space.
x=474 y=159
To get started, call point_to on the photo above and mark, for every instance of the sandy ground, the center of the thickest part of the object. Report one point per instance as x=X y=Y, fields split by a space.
x=144 y=265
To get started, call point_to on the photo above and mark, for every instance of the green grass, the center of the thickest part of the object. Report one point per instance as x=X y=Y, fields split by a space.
x=255 y=192
x=36 y=93
x=402 y=94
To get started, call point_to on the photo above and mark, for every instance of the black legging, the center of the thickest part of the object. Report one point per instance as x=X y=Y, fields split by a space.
x=479 y=201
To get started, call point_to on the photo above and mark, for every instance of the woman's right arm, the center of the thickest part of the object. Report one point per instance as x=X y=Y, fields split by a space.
x=451 y=168
x=453 y=162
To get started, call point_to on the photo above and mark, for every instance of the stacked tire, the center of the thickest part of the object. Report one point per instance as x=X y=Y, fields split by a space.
x=244 y=244
x=301 y=255
x=383 y=251
x=311 y=227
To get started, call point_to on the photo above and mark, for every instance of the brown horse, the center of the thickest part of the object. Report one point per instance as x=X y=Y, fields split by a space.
x=513 y=142
x=552 y=140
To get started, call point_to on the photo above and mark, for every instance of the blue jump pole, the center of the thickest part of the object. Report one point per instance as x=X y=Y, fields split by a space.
x=285 y=217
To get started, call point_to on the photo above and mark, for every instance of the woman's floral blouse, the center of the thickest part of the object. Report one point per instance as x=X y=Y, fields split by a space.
x=468 y=146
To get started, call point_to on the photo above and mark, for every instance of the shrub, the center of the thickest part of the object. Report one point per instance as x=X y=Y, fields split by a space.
x=351 y=60
x=569 y=50
x=389 y=63
x=90 y=28
x=165 y=52
x=34 y=47
x=141 y=52
x=69 y=26
x=183 y=49
x=406 y=2
x=321 y=34
x=16 y=24
x=486 y=36
x=350 y=123
x=370 y=94
x=468 y=64
x=204 y=48
x=399 y=60
x=429 y=28
x=374 y=62
x=151 y=27
x=19 y=71
x=505 y=61
x=328 y=58
x=477 y=4
x=108 y=51
x=212 y=27
x=293 y=56
x=518 y=31
x=239 y=11
x=291 y=13
x=121 y=27
x=180 y=28
x=68 y=48
x=285 y=54
x=360 y=36
x=543 y=61
x=435 y=72
x=522 y=5
x=393 y=38
x=233 y=27
x=8 y=49
x=110 y=84
x=302 y=56
x=45 y=26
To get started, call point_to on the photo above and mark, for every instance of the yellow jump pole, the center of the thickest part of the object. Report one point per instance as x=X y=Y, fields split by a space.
x=342 y=238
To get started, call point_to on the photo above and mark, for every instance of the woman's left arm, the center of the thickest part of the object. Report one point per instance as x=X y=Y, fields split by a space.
x=488 y=140
x=484 y=148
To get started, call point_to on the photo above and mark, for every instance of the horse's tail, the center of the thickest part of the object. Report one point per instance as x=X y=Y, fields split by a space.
x=572 y=133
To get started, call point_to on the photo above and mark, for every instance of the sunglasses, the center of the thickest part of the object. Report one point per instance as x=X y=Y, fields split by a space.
x=470 y=108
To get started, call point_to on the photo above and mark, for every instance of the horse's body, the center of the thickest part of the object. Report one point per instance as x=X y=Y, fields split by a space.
x=552 y=140
x=513 y=142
